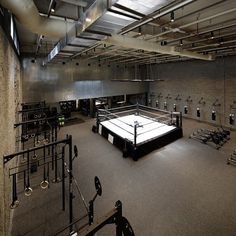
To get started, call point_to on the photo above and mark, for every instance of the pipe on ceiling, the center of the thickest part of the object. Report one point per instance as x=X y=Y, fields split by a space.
x=153 y=16
x=198 y=21
x=76 y=2
x=27 y=14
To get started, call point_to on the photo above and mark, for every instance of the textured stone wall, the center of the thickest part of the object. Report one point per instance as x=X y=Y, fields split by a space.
x=198 y=79
x=10 y=99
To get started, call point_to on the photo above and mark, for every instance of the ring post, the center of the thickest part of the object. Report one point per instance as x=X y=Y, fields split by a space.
x=97 y=120
x=135 y=136
x=135 y=143
x=63 y=178
x=137 y=107
x=70 y=183
x=180 y=119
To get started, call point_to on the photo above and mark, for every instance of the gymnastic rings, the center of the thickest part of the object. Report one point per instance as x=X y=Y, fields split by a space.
x=37 y=143
x=45 y=141
x=14 y=204
x=44 y=184
x=23 y=160
x=28 y=191
x=34 y=157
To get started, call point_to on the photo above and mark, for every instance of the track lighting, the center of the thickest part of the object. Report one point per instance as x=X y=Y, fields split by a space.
x=172 y=16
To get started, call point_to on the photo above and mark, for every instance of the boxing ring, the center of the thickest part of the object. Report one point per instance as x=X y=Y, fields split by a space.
x=137 y=129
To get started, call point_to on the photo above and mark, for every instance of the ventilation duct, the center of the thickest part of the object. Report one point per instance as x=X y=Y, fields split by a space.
x=27 y=14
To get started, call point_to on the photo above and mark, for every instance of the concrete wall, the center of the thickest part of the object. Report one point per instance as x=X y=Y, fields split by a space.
x=198 y=79
x=10 y=98
x=64 y=82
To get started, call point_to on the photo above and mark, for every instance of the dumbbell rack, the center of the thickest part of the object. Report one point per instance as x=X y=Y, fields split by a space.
x=215 y=137
x=232 y=158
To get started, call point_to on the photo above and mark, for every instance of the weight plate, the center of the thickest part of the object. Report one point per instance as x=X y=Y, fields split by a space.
x=126 y=228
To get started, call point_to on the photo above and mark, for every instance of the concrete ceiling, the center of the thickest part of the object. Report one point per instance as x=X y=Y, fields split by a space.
x=204 y=27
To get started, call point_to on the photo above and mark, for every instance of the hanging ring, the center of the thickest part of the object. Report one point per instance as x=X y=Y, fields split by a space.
x=44 y=184
x=37 y=143
x=34 y=157
x=28 y=191
x=45 y=141
x=14 y=204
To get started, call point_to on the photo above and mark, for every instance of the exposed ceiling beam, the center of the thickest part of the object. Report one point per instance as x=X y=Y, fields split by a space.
x=121 y=7
x=123 y=41
x=198 y=21
x=154 y=16
x=197 y=34
x=205 y=8
x=76 y=2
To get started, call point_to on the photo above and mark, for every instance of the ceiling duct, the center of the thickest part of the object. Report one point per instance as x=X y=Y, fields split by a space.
x=27 y=14
x=74 y=37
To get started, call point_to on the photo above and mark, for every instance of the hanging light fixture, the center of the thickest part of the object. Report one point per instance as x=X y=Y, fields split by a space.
x=172 y=16
x=53 y=8
x=181 y=42
x=139 y=31
x=221 y=41
x=212 y=35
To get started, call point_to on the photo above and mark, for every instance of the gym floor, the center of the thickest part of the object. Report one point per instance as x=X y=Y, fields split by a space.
x=184 y=188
